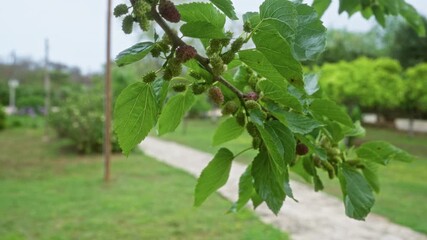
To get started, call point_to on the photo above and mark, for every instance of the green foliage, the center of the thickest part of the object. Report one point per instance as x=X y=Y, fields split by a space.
x=369 y=83
x=2 y=118
x=80 y=119
x=283 y=109
x=416 y=82
x=414 y=49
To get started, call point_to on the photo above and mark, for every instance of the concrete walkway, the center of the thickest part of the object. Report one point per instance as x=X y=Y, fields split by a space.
x=316 y=216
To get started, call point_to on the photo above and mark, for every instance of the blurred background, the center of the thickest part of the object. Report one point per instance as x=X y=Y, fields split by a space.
x=51 y=164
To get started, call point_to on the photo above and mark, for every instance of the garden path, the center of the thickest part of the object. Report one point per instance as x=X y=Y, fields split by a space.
x=315 y=216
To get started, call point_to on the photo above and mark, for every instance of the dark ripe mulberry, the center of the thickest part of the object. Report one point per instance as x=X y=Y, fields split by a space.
x=169 y=12
x=251 y=96
x=230 y=107
x=301 y=149
x=185 y=53
x=216 y=95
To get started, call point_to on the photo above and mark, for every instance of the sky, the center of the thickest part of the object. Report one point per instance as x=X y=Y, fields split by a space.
x=76 y=29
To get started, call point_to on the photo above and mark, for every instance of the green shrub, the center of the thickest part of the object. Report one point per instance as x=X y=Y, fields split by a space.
x=2 y=118
x=81 y=120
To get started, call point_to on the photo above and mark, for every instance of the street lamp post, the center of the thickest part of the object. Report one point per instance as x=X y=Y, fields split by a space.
x=13 y=84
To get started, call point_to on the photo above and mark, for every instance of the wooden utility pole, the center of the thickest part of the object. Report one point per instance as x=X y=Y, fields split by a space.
x=46 y=87
x=108 y=100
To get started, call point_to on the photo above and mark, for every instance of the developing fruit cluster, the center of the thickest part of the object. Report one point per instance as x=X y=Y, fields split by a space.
x=140 y=14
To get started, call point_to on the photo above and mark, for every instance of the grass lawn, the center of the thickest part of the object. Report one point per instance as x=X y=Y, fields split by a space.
x=47 y=193
x=403 y=193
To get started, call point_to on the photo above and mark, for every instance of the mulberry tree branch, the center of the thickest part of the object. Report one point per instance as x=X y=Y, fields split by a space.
x=177 y=41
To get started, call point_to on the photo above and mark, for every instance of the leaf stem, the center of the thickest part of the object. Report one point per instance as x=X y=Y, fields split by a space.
x=247 y=149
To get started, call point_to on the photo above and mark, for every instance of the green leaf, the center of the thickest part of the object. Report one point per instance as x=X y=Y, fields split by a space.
x=311 y=83
x=267 y=182
x=258 y=62
x=393 y=7
x=279 y=94
x=160 y=88
x=321 y=6
x=298 y=24
x=379 y=14
x=174 y=111
x=331 y=110
x=227 y=130
x=279 y=53
x=273 y=145
x=201 y=12
x=282 y=15
x=226 y=6
x=256 y=199
x=246 y=189
x=287 y=139
x=202 y=30
x=370 y=172
x=349 y=6
x=214 y=176
x=413 y=18
x=382 y=152
x=298 y=123
x=134 y=53
x=359 y=198
x=135 y=114
x=310 y=36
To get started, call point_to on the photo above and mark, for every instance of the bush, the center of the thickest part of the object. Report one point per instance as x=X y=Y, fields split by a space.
x=81 y=120
x=2 y=118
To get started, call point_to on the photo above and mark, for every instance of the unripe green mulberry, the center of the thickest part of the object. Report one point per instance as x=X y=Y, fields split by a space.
x=247 y=27
x=127 y=24
x=228 y=56
x=120 y=10
x=198 y=88
x=252 y=129
x=156 y=51
x=149 y=77
x=252 y=104
x=256 y=142
x=185 y=53
x=195 y=75
x=225 y=41
x=214 y=45
x=230 y=107
x=140 y=9
x=169 y=12
x=237 y=44
x=241 y=119
x=167 y=74
x=329 y=168
x=179 y=87
x=217 y=65
x=175 y=67
x=216 y=95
